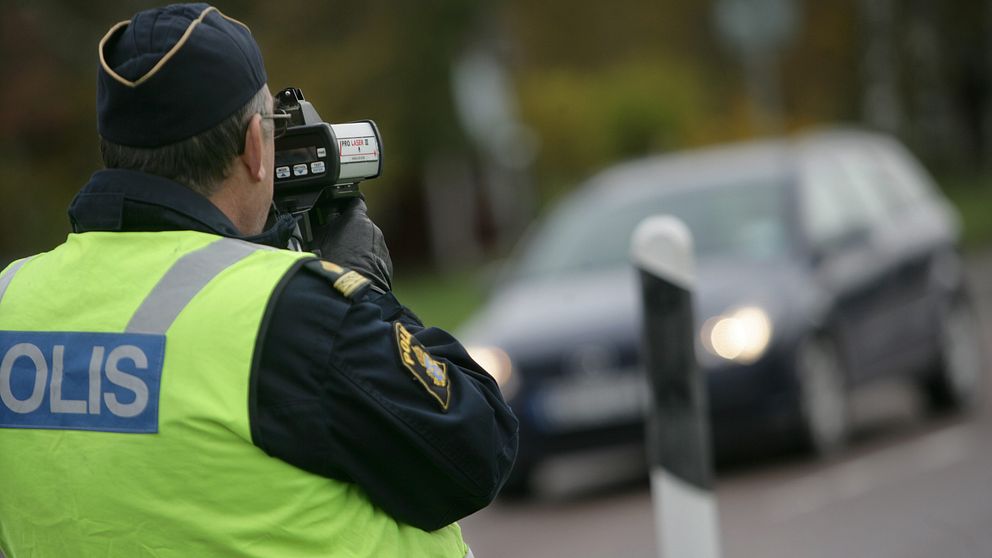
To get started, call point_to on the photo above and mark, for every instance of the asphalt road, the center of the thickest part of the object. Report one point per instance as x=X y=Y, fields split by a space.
x=909 y=487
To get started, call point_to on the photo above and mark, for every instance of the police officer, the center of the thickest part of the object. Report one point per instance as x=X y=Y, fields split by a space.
x=173 y=383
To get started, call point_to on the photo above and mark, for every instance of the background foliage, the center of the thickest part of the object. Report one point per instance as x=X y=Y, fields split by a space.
x=591 y=83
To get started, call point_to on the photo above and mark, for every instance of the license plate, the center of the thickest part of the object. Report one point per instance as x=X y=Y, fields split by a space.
x=601 y=400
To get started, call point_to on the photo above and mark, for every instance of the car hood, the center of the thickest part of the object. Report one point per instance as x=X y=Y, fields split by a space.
x=604 y=306
x=527 y=315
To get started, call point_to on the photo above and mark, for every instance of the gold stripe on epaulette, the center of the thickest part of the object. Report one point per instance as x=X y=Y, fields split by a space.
x=168 y=56
x=350 y=282
x=332 y=267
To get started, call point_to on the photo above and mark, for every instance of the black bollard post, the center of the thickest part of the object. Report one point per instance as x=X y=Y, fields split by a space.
x=678 y=424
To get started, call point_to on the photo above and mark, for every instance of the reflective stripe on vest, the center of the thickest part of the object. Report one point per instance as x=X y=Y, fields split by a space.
x=6 y=278
x=183 y=281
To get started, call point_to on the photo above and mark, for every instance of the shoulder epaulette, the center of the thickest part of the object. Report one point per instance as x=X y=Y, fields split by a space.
x=348 y=282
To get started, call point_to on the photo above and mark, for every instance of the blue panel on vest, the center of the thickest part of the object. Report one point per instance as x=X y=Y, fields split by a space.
x=80 y=381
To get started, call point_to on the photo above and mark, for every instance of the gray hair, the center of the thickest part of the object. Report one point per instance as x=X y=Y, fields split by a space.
x=201 y=162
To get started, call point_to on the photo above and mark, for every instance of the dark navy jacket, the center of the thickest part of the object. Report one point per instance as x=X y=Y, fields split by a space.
x=329 y=392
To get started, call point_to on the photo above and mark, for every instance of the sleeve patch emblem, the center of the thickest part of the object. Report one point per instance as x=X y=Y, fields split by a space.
x=428 y=372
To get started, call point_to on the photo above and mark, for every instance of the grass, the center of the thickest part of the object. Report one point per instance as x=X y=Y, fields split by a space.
x=441 y=300
x=972 y=195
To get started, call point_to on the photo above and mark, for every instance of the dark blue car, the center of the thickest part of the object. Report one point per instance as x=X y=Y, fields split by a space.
x=825 y=262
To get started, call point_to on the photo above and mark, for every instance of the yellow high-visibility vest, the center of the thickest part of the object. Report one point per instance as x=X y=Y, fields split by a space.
x=125 y=364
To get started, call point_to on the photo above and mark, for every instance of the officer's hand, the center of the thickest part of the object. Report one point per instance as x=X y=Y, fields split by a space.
x=350 y=239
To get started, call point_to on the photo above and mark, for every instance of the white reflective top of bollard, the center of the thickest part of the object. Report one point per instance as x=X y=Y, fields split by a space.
x=662 y=245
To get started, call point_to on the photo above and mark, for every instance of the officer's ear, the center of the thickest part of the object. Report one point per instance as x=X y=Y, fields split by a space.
x=253 y=156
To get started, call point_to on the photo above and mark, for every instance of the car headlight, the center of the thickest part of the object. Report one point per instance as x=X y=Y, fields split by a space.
x=495 y=361
x=740 y=335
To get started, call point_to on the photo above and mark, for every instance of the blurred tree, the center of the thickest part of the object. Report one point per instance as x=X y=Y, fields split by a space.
x=40 y=146
x=757 y=32
x=606 y=81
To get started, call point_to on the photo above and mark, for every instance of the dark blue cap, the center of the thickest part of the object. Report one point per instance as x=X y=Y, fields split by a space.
x=173 y=72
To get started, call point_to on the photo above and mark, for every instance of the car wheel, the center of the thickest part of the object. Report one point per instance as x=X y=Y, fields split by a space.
x=956 y=383
x=823 y=406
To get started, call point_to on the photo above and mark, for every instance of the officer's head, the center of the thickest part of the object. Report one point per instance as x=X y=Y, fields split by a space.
x=181 y=93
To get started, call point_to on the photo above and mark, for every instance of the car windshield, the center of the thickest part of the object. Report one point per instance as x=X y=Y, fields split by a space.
x=735 y=220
